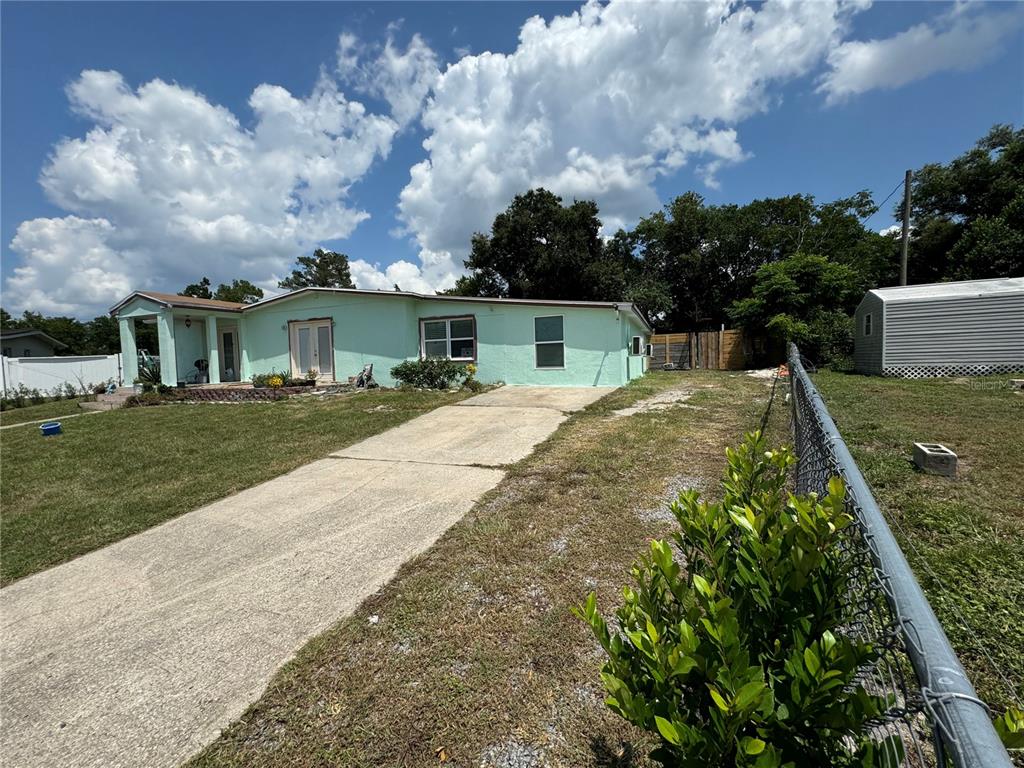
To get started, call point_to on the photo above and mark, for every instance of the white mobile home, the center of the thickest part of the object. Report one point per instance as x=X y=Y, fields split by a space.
x=969 y=328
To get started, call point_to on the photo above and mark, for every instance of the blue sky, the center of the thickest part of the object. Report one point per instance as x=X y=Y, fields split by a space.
x=815 y=115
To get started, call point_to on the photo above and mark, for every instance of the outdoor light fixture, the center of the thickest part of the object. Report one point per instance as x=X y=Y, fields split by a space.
x=188 y=321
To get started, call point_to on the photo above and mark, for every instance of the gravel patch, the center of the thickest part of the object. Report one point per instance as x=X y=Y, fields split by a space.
x=513 y=754
x=661 y=513
x=669 y=398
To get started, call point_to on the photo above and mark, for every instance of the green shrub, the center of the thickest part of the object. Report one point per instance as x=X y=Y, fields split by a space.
x=741 y=658
x=157 y=395
x=149 y=372
x=429 y=373
x=1010 y=727
x=274 y=377
x=36 y=397
x=147 y=398
x=18 y=398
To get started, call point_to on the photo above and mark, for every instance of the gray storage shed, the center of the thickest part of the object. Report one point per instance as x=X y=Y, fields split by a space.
x=969 y=328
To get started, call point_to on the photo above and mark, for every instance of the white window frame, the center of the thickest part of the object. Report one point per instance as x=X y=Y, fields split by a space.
x=868 y=325
x=294 y=354
x=538 y=343
x=448 y=337
x=636 y=345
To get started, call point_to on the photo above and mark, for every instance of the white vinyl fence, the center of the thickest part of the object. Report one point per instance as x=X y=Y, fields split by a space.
x=49 y=373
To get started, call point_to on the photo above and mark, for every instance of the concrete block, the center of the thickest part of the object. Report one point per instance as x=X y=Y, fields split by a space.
x=935 y=459
x=1017 y=384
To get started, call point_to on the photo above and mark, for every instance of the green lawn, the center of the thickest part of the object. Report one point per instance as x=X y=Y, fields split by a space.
x=51 y=410
x=964 y=537
x=113 y=474
x=473 y=658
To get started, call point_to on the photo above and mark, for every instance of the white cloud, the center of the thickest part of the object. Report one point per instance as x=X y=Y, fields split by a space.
x=404 y=274
x=402 y=79
x=960 y=40
x=167 y=187
x=598 y=104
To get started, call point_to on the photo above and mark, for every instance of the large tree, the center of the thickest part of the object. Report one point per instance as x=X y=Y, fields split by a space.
x=708 y=257
x=200 y=290
x=537 y=249
x=324 y=269
x=805 y=298
x=240 y=291
x=99 y=336
x=968 y=215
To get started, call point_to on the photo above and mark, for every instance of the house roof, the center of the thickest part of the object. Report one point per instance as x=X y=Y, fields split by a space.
x=620 y=305
x=963 y=288
x=21 y=333
x=177 y=300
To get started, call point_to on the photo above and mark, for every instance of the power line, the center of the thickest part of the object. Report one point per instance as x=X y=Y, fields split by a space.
x=882 y=204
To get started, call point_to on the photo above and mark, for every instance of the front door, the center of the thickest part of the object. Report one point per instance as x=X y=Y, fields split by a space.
x=312 y=349
x=229 y=355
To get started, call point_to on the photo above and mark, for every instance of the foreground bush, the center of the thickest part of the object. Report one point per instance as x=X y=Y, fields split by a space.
x=429 y=373
x=735 y=654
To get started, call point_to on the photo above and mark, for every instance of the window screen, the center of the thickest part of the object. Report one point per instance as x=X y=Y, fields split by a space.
x=549 y=341
x=452 y=338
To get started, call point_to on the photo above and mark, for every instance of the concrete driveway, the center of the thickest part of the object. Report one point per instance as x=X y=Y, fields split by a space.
x=138 y=654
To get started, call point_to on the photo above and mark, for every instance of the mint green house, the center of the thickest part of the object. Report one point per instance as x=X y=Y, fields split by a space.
x=338 y=331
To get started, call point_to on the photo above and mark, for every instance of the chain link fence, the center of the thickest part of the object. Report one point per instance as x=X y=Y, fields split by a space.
x=935 y=712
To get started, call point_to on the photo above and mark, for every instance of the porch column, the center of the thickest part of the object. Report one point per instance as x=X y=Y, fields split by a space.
x=165 y=339
x=212 y=355
x=243 y=353
x=129 y=352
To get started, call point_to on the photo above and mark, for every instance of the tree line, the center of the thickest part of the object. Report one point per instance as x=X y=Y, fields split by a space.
x=789 y=267
x=101 y=335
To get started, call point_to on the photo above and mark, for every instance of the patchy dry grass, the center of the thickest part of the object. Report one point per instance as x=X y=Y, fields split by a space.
x=470 y=655
x=964 y=537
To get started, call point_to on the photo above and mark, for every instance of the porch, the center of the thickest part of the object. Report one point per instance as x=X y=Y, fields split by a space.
x=199 y=341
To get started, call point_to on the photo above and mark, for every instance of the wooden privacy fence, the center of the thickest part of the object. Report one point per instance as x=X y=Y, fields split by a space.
x=725 y=349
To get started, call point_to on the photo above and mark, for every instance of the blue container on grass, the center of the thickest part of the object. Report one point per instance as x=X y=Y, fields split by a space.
x=50 y=428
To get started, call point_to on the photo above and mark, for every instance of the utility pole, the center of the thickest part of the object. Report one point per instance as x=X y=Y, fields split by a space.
x=906 y=229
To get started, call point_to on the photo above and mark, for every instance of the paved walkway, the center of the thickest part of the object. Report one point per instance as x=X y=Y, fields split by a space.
x=139 y=653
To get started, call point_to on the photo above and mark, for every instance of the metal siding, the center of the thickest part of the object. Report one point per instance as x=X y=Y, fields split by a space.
x=867 y=350
x=955 y=330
